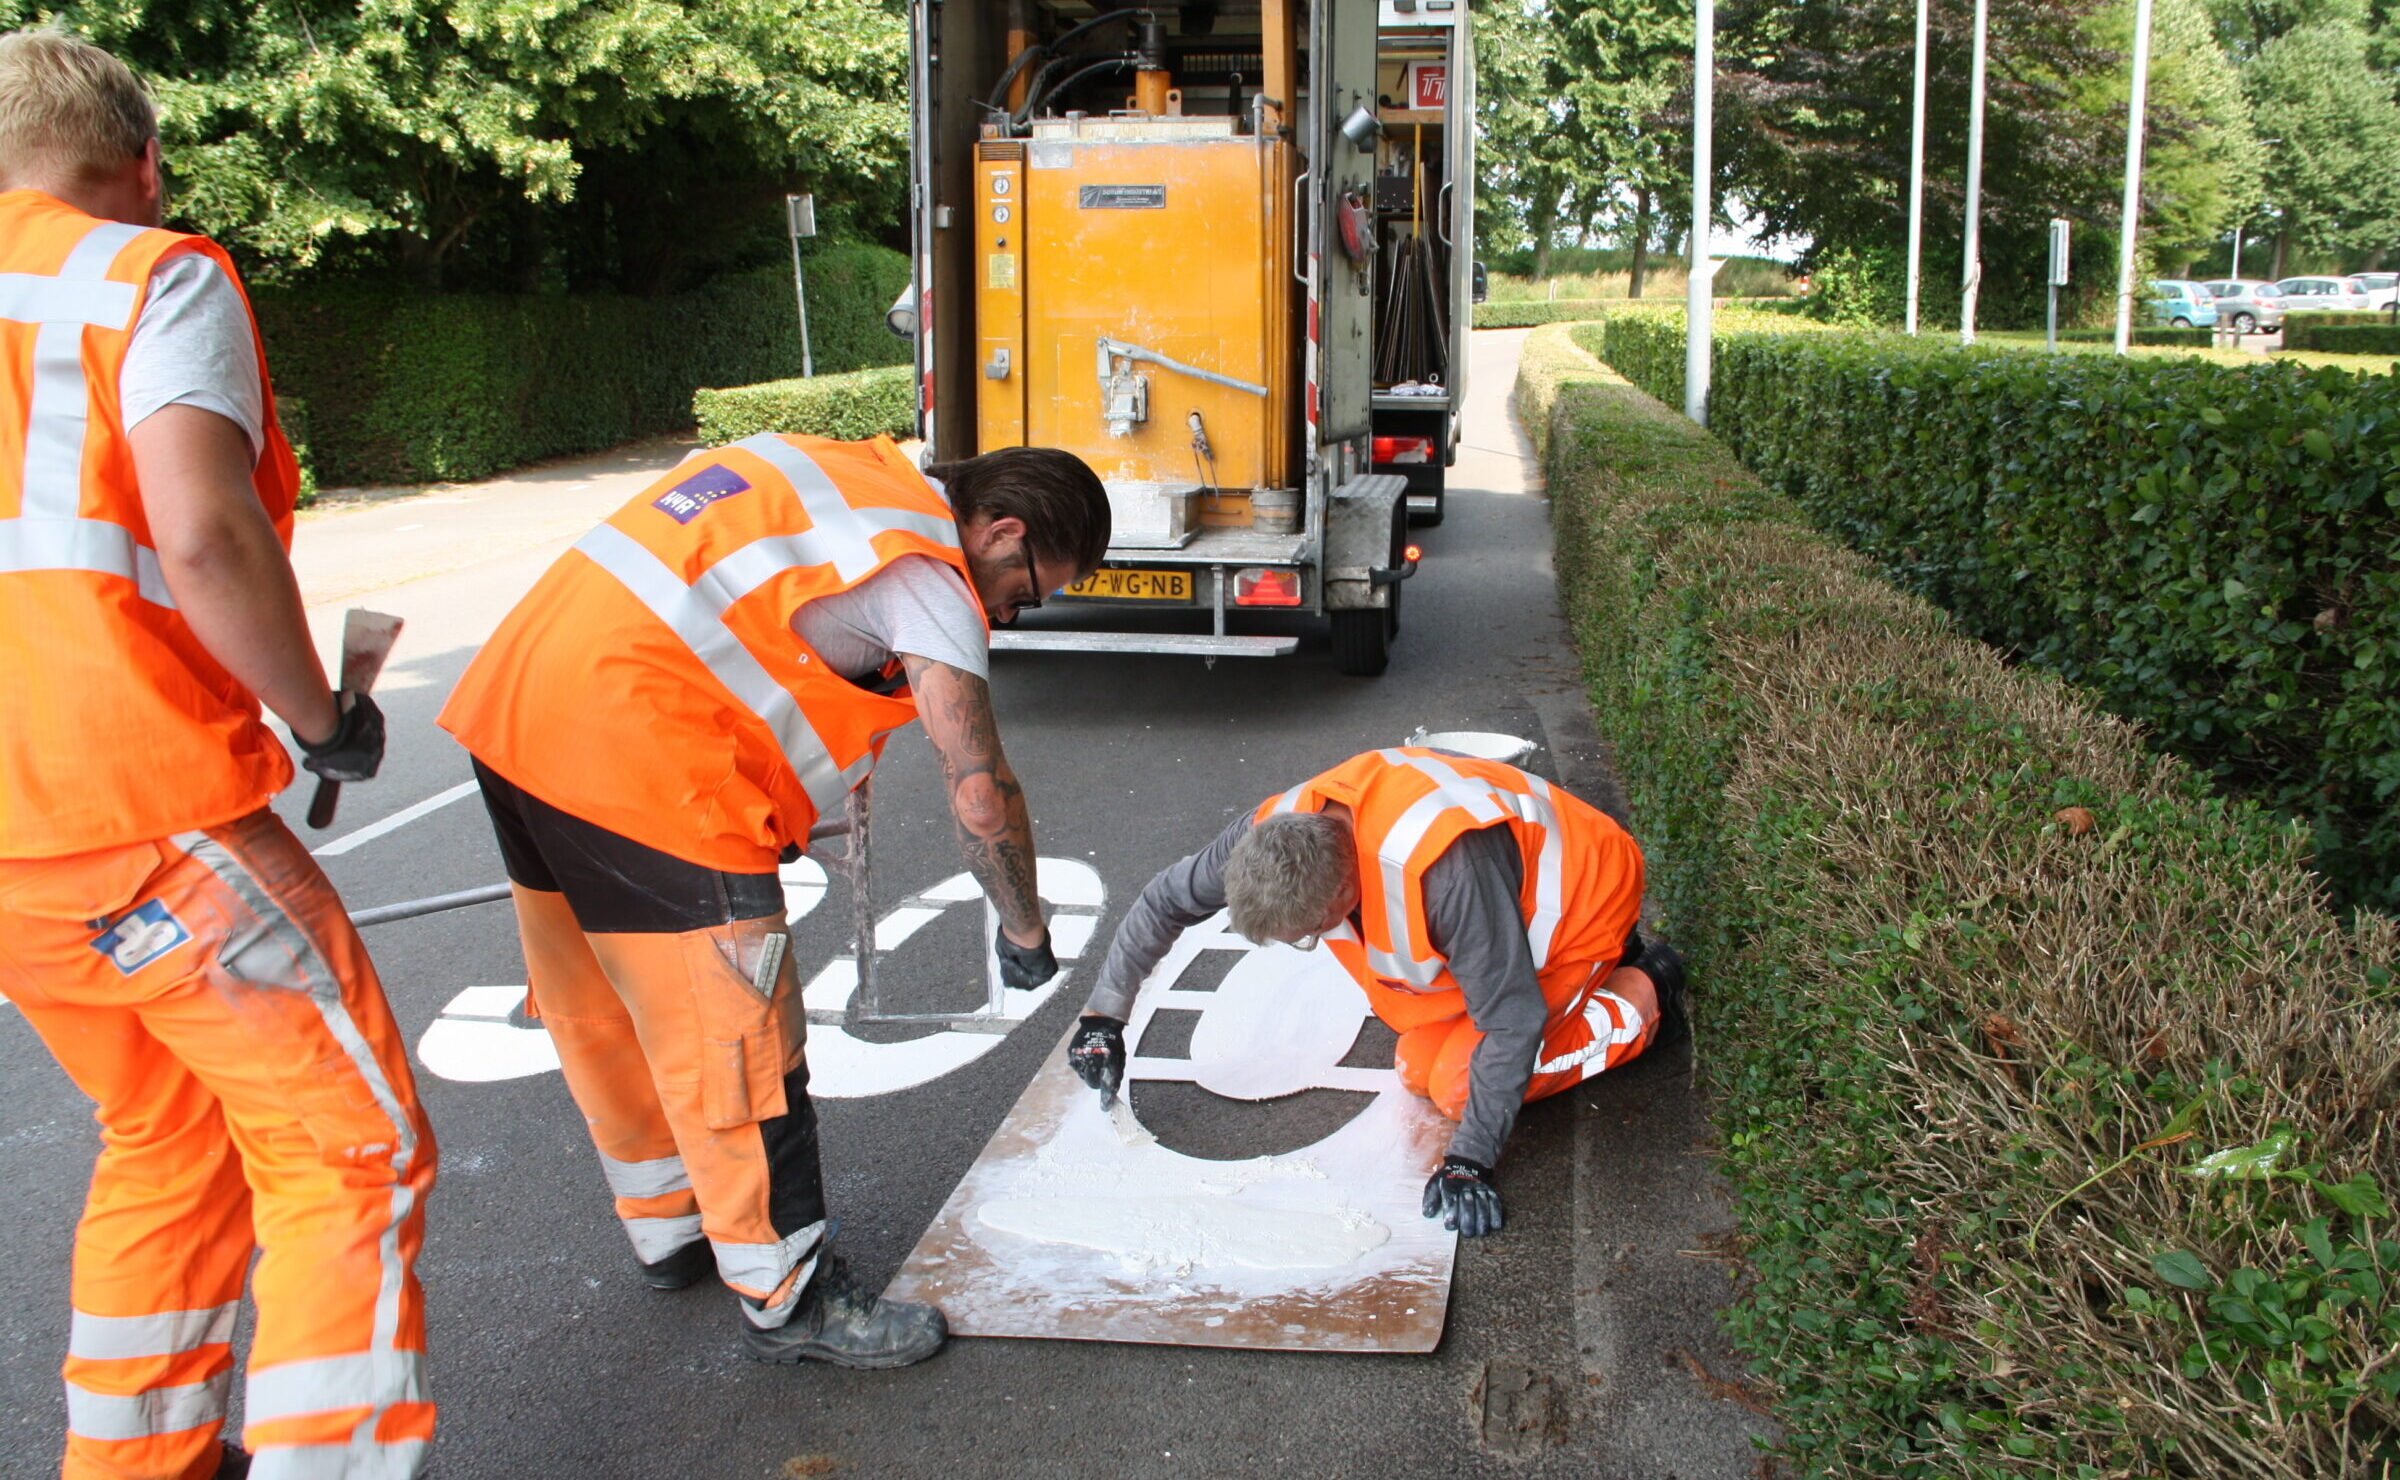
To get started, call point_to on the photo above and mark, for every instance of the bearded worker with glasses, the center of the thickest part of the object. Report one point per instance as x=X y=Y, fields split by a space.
x=1488 y=916
x=659 y=723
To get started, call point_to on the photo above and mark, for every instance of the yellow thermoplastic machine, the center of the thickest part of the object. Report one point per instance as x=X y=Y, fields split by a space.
x=1174 y=241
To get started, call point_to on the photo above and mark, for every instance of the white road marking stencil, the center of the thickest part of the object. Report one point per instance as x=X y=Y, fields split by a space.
x=482 y=1036
x=1076 y=1225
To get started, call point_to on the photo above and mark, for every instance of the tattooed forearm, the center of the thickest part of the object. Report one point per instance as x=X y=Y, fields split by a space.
x=994 y=831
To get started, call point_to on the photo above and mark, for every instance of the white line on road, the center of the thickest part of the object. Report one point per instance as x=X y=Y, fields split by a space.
x=399 y=819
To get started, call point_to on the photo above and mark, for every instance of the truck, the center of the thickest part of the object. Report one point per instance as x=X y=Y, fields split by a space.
x=1220 y=249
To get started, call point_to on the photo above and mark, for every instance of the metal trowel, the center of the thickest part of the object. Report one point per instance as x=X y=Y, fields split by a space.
x=367 y=639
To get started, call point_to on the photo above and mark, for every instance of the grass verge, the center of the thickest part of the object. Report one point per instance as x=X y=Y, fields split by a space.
x=2054 y=1099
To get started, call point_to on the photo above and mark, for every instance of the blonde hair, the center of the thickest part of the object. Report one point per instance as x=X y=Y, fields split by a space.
x=69 y=112
x=1285 y=873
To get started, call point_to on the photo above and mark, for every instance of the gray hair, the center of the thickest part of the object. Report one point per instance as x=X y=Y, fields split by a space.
x=69 y=112
x=1285 y=873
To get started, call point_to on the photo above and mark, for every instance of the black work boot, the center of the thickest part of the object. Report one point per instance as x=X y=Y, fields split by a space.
x=1663 y=964
x=233 y=1463
x=839 y=1323
x=682 y=1269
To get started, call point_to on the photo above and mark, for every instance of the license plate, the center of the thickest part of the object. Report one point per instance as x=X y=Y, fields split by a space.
x=1133 y=585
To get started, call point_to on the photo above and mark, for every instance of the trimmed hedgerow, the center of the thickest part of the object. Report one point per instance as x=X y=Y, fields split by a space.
x=1525 y=313
x=864 y=403
x=2054 y=1100
x=404 y=387
x=2214 y=549
x=2311 y=332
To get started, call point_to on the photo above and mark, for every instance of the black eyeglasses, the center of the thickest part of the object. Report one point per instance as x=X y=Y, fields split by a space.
x=1033 y=582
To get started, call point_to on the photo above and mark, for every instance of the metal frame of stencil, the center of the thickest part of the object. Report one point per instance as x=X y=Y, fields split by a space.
x=1279 y=1022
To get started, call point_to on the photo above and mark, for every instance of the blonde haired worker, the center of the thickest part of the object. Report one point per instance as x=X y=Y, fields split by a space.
x=166 y=935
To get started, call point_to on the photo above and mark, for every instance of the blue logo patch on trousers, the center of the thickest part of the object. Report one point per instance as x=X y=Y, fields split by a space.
x=140 y=938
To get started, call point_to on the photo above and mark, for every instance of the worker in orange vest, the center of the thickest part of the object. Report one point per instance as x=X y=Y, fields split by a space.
x=1489 y=917
x=173 y=944
x=659 y=723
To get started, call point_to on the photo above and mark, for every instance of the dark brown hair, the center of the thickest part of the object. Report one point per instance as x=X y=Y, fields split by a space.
x=1056 y=494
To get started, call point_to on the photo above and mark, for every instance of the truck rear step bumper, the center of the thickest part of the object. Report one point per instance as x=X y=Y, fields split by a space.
x=1185 y=644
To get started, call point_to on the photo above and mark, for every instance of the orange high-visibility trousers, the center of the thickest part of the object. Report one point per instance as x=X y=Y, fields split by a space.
x=1611 y=1026
x=692 y=1081
x=210 y=995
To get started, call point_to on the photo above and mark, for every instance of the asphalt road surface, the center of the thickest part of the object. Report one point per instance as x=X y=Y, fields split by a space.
x=1581 y=1342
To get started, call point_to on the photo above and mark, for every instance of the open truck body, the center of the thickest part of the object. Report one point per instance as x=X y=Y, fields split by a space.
x=1220 y=251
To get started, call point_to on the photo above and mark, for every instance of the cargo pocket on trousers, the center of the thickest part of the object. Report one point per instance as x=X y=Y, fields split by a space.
x=289 y=999
x=742 y=984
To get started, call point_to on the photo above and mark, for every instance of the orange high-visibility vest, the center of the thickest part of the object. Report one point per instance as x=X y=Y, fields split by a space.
x=651 y=682
x=1581 y=895
x=121 y=728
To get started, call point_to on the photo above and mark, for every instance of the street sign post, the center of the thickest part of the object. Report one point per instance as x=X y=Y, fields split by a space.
x=2058 y=273
x=801 y=212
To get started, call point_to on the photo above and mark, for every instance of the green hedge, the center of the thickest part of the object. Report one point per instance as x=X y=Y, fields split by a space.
x=860 y=404
x=409 y=387
x=2057 y=1136
x=1525 y=313
x=1659 y=350
x=2214 y=549
x=2311 y=332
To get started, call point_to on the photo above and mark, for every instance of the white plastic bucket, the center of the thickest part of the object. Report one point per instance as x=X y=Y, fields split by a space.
x=1487 y=745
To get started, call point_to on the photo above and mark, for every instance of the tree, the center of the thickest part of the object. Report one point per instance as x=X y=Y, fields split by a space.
x=2334 y=175
x=2201 y=160
x=1575 y=108
x=427 y=131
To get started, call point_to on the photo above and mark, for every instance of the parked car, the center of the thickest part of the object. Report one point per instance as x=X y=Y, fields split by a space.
x=2382 y=287
x=2249 y=307
x=2181 y=304
x=2321 y=295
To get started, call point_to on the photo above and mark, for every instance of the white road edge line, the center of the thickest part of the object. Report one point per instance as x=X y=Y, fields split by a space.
x=399 y=819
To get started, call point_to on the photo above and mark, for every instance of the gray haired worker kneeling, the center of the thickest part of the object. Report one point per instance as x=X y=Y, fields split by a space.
x=1488 y=915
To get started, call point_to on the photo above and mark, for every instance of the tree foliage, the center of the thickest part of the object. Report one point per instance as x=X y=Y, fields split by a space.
x=2334 y=176
x=1579 y=104
x=491 y=141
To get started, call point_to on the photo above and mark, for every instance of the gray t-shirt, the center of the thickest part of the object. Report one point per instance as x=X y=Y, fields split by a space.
x=1472 y=921
x=916 y=605
x=193 y=346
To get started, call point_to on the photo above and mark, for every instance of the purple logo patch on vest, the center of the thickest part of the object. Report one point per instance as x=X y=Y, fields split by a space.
x=685 y=500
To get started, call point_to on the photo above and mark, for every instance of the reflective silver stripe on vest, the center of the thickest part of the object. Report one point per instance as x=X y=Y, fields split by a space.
x=1405 y=962
x=48 y=533
x=1486 y=804
x=119 y=1417
x=841 y=536
x=120 y=1338
x=375 y=1379
x=95 y=545
x=54 y=434
x=645 y=1178
x=36 y=298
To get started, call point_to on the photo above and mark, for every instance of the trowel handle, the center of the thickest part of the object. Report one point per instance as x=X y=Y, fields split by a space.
x=320 y=806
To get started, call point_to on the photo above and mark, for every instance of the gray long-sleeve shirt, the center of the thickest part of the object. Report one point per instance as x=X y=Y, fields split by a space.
x=1472 y=921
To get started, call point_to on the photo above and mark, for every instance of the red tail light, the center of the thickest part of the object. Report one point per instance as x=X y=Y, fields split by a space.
x=1259 y=586
x=1403 y=450
x=1413 y=554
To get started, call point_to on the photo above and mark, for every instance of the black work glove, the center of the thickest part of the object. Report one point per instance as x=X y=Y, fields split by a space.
x=1097 y=1055
x=1461 y=1194
x=1024 y=967
x=354 y=751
